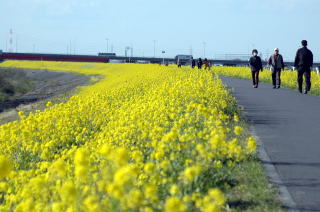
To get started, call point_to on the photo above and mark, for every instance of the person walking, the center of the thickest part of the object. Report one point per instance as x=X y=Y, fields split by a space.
x=303 y=63
x=206 y=64
x=276 y=63
x=256 y=66
x=193 y=63
x=200 y=63
x=179 y=63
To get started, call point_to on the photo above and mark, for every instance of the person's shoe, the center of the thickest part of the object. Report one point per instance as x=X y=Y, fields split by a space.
x=305 y=91
x=274 y=87
x=254 y=86
x=278 y=86
x=300 y=90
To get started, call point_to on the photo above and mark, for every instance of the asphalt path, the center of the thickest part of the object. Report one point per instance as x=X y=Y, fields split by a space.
x=288 y=126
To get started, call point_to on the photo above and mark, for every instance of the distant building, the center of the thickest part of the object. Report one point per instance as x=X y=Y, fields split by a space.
x=183 y=59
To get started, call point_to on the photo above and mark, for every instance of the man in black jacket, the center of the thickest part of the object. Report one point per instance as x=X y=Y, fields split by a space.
x=200 y=63
x=256 y=66
x=193 y=63
x=304 y=62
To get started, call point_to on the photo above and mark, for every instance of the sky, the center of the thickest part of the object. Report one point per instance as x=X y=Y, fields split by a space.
x=210 y=28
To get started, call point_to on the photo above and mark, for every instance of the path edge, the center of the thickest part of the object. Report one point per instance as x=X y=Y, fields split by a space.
x=269 y=168
x=271 y=171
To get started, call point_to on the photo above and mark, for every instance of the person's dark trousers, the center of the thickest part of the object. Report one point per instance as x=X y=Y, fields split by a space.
x=255 y=77
x=307 y=75
x=276 y=77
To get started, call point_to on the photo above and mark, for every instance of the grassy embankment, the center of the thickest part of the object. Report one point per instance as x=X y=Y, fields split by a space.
x=13 y=82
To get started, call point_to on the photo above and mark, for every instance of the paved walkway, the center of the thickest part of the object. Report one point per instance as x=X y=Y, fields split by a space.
x=288 y=125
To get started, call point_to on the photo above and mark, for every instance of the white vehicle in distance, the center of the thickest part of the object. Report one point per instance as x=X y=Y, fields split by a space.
x=116 y=61
x=143 y=62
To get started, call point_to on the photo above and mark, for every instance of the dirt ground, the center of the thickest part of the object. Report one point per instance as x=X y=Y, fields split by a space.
x=47 y=85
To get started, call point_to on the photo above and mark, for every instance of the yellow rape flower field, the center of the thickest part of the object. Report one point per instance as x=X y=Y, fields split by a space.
x=144 y=138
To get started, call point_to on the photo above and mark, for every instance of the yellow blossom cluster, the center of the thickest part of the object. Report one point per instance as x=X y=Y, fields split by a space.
x=143 y=138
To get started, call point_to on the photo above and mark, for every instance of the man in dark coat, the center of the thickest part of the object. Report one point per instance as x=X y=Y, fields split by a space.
x=276 y=63
x=200 y=63
x=256 y=66
x=303 y=63
x=193 y=63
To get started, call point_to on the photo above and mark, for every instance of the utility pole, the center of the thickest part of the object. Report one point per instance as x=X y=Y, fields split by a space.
x=74 y=46
x=16 y=43
x=70 y=48
x=107 y=39
x=204 y=49
x=126 y=52
x=11 y=41
x=154 y=48
x=163 y=52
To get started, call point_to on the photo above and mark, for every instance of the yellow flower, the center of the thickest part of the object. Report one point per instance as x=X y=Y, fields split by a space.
x=121 y=156
x=26 y=205
x=21 y=114
x=92 y=204
x=174 y=190
x=164 y=164
x=238 y=130
x=236 y=118
x=137 y=156
x=217 y=196
x=105 y=150
x=174 y=204
x=49 y=104
x=115 y=190
x=81 y=158
x=125 y=175
x=211 y=207
x=217 y=164
x=135 y=198
x=68 y=191
x=5 y=166
x=59 y=168
x=147 y=209
x=149 y=168
x=251 y=145
x=151 y=192
x=191 y=173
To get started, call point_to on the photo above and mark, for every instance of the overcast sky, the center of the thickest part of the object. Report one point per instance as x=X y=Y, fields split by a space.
x=178 y=26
